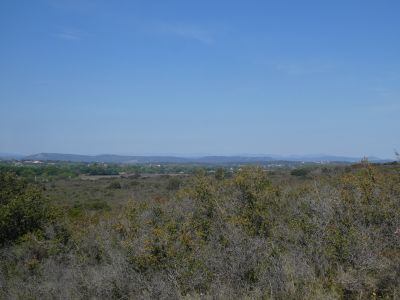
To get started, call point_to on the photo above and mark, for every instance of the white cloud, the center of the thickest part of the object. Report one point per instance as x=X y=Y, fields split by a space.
x=305 y=68
x=75 y=5
x=183 y=31
x=71 y=35
x=192 y=33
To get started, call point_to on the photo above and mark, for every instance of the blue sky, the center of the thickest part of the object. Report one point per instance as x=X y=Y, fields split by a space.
x=200 y=77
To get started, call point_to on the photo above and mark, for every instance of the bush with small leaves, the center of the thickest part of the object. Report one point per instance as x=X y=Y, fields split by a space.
x=22 y=208
x=115 y=185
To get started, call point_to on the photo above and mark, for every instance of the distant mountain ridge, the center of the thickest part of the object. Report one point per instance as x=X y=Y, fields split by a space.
x=132 y=159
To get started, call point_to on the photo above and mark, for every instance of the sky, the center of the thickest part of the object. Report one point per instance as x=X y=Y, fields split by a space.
x=200 y=77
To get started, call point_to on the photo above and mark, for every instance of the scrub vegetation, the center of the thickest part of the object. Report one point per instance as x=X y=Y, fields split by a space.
x=318 y=232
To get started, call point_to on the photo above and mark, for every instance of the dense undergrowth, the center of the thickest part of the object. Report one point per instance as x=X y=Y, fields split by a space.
x=332 y=236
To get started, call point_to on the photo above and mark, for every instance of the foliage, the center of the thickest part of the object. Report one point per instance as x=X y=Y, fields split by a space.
x=301 y=172
x=251 y=235
x=115 y=185
x=173 y=183
x=22 y=208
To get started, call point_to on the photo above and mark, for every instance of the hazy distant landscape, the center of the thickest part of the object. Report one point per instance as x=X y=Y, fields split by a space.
x=252 y=159
x=199 y=150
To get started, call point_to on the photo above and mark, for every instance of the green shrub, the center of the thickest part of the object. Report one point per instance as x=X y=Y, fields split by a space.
x=247 y=236
x=220 y=174
x=97 y=204
x=300 y=172
x=173 y=184
x=22 y=208
x=115 y=185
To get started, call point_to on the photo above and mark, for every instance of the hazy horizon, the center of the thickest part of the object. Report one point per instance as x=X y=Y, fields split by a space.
x=219 y=78
x=199 y=155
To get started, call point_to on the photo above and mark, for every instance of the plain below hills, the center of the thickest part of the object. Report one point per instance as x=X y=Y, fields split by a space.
x=127 y=159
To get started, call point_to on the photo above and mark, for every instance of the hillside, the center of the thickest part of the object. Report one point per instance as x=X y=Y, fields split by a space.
x=108 y=158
